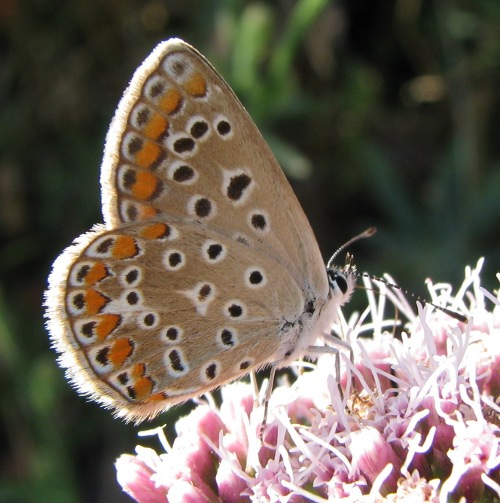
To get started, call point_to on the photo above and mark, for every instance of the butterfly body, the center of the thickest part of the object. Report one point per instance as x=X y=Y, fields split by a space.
x=206 y=267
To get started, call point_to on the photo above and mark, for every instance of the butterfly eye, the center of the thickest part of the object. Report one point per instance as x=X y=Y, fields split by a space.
x=338 y=282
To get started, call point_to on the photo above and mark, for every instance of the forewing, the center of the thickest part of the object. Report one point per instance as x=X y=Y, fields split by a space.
x=181 y=144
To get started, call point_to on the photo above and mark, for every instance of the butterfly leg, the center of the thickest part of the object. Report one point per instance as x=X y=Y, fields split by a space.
x=321 y=350
x=269 y=390
x=337 y=341
x=256 y=391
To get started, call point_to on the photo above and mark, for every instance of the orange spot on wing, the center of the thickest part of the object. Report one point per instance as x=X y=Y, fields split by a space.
x=147 y=212
x=171 y=102
x=96 y=273
x=145 y=186
x=156 y=126
x=155 y=231
x=107 y=323
x=158 y=397
x=138 y=370
x=196 y=86
x=142 y=388
x=94 y=301
x=148 y=154
x=119 y=352
x=125 y=247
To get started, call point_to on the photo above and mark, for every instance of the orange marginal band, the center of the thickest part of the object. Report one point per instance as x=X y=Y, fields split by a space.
x=196 y=86
x=138 y=371
x=148 y=154
x=142 y=388
x=125 y=247
x=155 y=231
x=171 y=102
x=146 y=184
x=96 y=273
x=156 y=126
x=119 y=352
x=107 y=323
x=94 y=301
x=158 y=397
x=147 y=212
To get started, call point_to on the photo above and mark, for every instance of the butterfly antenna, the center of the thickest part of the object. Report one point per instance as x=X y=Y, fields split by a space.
x=368 y=233
x=449 y=312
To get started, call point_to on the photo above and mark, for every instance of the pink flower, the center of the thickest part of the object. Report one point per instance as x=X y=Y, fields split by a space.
x=415 y=418
x=135 y=475
x=371 y=453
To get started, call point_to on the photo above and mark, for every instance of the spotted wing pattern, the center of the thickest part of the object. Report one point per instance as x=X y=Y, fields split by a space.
x=206 y=267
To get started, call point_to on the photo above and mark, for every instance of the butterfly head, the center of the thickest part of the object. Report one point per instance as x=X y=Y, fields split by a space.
x=342 y=280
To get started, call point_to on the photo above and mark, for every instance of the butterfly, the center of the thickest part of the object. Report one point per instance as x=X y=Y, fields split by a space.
x=206 y=267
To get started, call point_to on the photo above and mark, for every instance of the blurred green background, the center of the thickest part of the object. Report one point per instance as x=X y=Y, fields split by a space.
x=381 y=112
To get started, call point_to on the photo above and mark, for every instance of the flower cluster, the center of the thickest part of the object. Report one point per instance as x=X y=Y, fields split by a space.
x=412 y=416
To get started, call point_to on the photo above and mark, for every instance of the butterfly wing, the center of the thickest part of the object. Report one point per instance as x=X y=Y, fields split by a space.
x=207 y=267
x=181 y=144
x=208 y=310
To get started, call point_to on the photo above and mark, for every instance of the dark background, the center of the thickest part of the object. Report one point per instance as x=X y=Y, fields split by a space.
x=381 y=113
